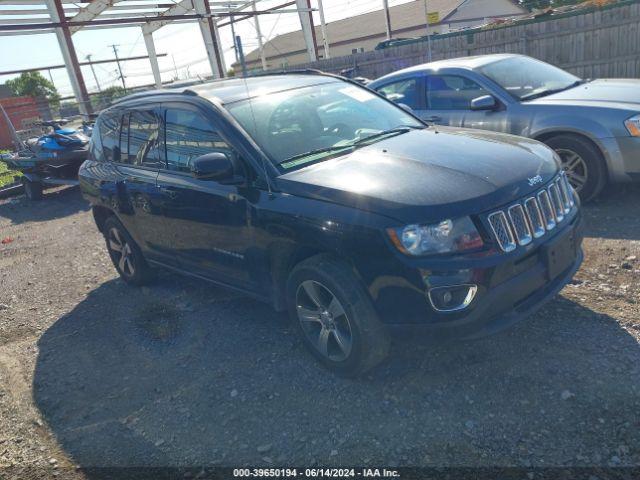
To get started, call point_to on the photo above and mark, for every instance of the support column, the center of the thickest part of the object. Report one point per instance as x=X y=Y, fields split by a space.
x=208 y=30
x=56 y=12
x=306 y=22
x=153 y=58
x=263 y=59
x=387 y=18
x=323 y=29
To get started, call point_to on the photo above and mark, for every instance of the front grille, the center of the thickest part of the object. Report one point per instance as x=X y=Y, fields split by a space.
x=502 y=231
x=533 y=216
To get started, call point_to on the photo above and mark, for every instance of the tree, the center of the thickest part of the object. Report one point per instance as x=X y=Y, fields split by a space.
x=33 y=84
x=108 y=95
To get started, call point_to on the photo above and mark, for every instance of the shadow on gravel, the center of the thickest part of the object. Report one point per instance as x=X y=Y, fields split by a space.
x=180 y=375
x=615 y=213
x=57 y=203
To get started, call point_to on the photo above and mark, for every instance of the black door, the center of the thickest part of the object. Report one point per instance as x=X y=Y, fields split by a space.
x=138 y=159
x=207 y=223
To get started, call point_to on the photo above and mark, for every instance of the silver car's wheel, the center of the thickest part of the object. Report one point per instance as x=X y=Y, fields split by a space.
x=575 y=167
x=324 y=320
x=122 y=252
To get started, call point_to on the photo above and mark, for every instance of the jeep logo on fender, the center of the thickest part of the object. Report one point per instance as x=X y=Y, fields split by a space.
x=534 y=180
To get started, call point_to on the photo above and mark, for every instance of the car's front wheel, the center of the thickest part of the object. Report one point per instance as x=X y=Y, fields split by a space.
x=125 y=253
x=582 y=162
x=335 y=317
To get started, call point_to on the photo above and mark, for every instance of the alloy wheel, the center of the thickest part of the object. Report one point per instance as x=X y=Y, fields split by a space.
x=575 y=167
x=324 y=320
x=122 y=252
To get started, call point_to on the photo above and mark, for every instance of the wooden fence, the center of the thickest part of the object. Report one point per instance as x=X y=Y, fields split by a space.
x=601 y=42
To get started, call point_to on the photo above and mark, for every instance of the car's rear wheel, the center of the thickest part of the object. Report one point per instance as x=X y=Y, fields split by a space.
x=335 y=317
x=582 y=162
x=125 y=254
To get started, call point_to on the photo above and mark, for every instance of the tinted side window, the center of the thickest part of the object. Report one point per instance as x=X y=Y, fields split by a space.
x=405 y=91
x=452 y=92
x=109 y=129
x=189 y=135
x=96 y=152
x=140 y=139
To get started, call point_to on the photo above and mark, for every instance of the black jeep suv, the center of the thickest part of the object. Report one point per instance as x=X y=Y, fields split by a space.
x=323 y=198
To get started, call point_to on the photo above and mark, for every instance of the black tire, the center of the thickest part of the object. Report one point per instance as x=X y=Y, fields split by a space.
x=33 y=190
x=369 y=343
x=567 y=145
x=134 y=269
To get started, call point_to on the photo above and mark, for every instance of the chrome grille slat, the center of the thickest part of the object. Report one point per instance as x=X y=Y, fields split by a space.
x=547 y=210
x=502 y=231
x=567 y=190
x=532 y=217
x=564 y=197
x=520 y=224
x=535 y=217
x=556 y=202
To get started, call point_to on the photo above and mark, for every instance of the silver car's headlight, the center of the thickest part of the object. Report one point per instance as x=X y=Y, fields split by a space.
x=633 y=125
x=448 y=236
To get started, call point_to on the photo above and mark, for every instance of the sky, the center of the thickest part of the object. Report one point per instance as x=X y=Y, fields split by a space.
x=181 y=42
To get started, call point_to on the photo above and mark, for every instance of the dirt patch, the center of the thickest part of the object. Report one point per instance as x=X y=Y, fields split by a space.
x=95 y=373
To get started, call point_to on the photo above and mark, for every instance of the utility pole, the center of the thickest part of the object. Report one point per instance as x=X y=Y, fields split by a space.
x=387 y=18
x=323 y=30
x=50 y=76
x=175 y=69
x=241 y=55
x=95 y=77
x=426 y=17
x=115 y=52
x=233 y=34
x=263 y=59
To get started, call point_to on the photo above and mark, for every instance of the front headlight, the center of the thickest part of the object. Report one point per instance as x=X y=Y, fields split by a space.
x=633 y=125
x=448 y=236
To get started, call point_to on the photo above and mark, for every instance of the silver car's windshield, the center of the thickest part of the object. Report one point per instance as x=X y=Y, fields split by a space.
x=312 y=123
x=526 y=78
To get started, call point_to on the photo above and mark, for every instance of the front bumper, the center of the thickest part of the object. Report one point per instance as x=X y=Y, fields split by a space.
x=622 y=155
x=507 y=292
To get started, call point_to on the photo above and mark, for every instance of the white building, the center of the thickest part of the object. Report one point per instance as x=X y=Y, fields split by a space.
x=362 y=33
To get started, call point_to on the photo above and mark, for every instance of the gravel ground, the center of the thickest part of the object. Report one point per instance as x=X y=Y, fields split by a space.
x=96 y=373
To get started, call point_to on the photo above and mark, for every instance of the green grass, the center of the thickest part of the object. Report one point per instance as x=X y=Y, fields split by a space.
x=6 y=175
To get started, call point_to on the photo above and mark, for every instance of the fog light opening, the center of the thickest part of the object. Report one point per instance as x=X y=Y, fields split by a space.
x=452 y=298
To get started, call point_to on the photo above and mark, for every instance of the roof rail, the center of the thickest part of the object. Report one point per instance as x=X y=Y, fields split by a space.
x=147 y=93
x=305 y=71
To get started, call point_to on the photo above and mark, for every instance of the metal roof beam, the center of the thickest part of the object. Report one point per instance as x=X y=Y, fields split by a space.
x=90 y=12
x=180 y=8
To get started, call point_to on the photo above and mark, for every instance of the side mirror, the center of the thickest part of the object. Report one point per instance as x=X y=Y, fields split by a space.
x=485 y=102
x=213 y=166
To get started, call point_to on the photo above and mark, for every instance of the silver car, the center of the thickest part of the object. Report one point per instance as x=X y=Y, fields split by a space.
x=593 y=125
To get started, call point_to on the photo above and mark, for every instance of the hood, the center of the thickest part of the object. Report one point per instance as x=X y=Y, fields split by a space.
x=428 y=175
x=623 y=93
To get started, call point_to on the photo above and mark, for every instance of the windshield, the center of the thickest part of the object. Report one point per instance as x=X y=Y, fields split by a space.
x=312 y=123
x=526 y=78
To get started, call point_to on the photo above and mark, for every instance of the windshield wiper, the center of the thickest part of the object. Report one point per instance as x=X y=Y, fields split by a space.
x=350 y=146
x=551 y=91
x=395 y=130
x=317 y=151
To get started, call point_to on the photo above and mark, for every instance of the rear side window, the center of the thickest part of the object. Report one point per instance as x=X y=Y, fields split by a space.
x=405 y=91
x=108 y=126
x=140 y=140
x=188 y=136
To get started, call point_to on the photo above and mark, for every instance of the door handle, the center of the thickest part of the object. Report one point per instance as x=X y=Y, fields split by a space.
x=433 y=118
x=172 y=193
